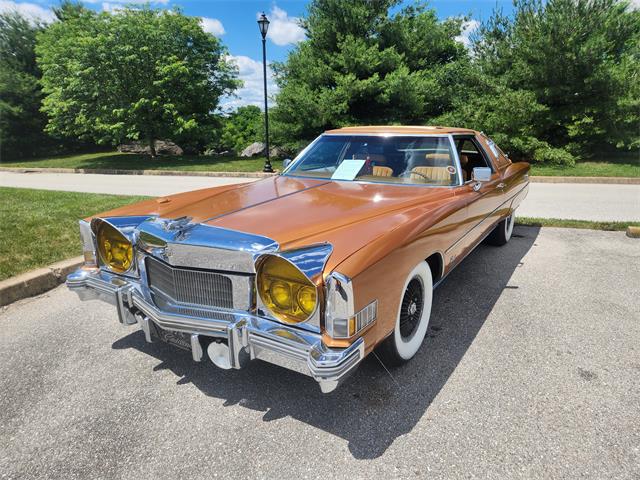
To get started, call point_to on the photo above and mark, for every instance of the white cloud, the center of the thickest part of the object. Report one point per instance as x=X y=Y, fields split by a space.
x=283 y=29
x=252 y=93
x=634 y=5
x=468 y=28
x=30 y=10
x=213 y=26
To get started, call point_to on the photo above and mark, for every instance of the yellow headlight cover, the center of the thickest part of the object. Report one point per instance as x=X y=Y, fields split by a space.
x=289 y=295
x=116 y=252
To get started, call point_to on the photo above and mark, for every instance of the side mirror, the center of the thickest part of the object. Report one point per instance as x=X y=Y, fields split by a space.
x=286 y=162
x=481 y=174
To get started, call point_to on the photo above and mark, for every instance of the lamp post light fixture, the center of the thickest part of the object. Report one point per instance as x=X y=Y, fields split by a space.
x=263 y=24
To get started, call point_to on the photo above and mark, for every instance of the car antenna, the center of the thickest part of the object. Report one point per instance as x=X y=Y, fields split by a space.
x=386 y=369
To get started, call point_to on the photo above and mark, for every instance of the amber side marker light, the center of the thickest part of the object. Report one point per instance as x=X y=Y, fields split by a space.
x=288 y=294
x=114 y=249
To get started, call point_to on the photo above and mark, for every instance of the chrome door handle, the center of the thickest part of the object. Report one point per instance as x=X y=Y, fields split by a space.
x=502 y=185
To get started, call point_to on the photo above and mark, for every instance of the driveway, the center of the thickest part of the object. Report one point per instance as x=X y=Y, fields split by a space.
x=531 y=369
x=598 y=202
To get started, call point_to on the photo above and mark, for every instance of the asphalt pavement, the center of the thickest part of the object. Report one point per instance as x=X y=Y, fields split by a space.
x=598 y=202
x=531 y=369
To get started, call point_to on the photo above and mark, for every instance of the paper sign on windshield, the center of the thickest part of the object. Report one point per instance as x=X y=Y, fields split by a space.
x=348 y=170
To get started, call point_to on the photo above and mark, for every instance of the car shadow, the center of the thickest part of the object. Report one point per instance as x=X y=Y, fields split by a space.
x=373 y=407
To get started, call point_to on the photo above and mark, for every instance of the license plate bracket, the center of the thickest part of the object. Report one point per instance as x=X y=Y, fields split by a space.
x=177 y=339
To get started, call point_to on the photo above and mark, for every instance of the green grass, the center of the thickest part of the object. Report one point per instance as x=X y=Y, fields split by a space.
x=586 y=224
x=130 y=161
x=623 y=165
x=39 y=227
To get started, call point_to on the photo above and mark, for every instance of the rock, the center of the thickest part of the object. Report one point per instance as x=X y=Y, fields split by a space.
x=163 y=147
x=277 y=152
x=256 y=148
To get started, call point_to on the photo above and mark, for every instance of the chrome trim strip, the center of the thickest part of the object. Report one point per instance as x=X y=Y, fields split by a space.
x=457 y=159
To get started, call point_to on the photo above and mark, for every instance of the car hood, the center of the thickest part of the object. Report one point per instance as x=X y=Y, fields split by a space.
x=298 y=211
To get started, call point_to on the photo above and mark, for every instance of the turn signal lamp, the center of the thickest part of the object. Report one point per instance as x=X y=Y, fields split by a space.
x=114 y=249
x=288 y=294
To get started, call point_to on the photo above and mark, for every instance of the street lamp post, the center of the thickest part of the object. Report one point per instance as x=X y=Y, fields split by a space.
x=263 y=24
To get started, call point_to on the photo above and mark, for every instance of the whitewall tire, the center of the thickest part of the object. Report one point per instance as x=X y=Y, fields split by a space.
x=412 y=319
x=502 y=232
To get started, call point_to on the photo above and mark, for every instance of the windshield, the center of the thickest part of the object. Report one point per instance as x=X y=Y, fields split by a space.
x=419 y=160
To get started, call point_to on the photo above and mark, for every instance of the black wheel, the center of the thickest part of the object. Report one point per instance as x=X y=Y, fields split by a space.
x=501 y=234
x=413 y=318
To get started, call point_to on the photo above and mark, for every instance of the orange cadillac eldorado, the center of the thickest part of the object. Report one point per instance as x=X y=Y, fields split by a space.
x=314 y=268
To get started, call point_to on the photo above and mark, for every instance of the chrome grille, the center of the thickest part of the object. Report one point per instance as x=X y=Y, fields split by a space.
x=188 y=286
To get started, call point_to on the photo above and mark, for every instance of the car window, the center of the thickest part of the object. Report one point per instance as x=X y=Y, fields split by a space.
x=400 y=159
x=471 y=156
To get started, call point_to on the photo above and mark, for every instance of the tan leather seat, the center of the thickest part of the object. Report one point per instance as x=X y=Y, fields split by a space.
x=438 y=159
x=438 y=175
x=382 y=171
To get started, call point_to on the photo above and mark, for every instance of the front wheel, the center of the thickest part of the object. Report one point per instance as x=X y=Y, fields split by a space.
x=502 y=232
x=413 y=318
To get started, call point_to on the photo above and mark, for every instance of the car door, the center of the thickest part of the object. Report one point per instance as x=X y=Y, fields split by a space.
x=482 y=200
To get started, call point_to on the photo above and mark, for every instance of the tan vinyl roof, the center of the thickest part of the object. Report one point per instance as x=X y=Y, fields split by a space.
x=404 y=129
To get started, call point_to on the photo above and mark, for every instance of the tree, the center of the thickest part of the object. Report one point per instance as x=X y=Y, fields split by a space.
x=577 y=59
x=21 y=122
x=138 y=74
x=362 y=64
x=241 y=128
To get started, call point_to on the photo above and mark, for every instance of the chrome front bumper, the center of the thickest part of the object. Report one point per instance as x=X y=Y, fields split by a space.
x=243 y=336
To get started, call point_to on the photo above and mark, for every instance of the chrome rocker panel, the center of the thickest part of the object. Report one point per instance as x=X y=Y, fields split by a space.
x=248 y=336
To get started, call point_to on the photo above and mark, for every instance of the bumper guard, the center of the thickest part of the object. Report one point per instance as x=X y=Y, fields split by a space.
x=237 y=336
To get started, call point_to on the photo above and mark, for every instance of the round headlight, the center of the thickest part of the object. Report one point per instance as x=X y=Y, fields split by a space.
x=307 y=299
x=115 y=250
x=280 y=293
x=288 y=294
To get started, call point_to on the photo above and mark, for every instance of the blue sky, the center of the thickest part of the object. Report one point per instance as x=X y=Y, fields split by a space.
x=234 y=22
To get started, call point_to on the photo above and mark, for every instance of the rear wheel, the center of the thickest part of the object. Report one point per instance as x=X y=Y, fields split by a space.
x=413 y=318
x=502 y=232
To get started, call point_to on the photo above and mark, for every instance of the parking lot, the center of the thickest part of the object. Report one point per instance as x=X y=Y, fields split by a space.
x=531 y=369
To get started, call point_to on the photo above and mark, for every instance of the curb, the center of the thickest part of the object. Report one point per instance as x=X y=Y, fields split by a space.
x=109 y=171
x=36 y=281
x=601 y=180
x=633 y=232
